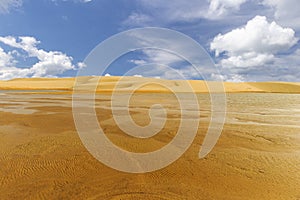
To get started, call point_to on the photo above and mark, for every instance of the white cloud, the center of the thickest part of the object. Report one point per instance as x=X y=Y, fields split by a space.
x=228 y=78
x=138 y=62
x=7 y=69
x=255 y=44
x=7 y=5
x=161 y=57
x=138 y=75
x=284 y=67
x=49 y=64
x=250 y=59
x=7 y=73
x=81 y=65
x=137 y=19
x=6 y=59
x=75 y=1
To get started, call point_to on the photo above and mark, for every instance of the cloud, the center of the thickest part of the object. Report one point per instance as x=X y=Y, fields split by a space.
x=50 y=63
x=7 y=69
x=157 y=63
x=81 y=65
x=75 y=1
x=287 y=67
x=219 y=8
x=138 y=75
x=137 y=19
x=162 y=57
x=6 y=59
x=228 y=78
x=165 y=65
x=181 y=11
x=138 y=62
x=162 y=64
x=156 y=70
x=286 y=12
x=7 y=5
x=165 y=48
x=250 y=59
x=255 y=44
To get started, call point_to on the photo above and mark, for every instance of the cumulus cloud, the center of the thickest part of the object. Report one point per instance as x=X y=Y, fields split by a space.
x=7 y=5
x=6 y=59
x=81 y=65
x=255 y=44
x=50 y=63
x=7 y=69
x=250 y=59
x=228 y=77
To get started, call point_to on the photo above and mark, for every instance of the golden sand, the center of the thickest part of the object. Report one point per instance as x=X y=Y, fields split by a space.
x=256 y=157
x=107 y=84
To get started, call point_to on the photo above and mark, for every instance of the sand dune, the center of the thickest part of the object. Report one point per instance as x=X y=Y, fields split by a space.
x=42 y=156
x=256 y=157
x=107 y=84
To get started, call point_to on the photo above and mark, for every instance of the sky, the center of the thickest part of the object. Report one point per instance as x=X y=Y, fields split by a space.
x=248 y=40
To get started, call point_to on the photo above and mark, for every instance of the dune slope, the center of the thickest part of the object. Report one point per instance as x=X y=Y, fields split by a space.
x=108 y=84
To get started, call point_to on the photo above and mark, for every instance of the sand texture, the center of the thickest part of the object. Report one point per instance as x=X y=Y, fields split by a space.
x=256 y=157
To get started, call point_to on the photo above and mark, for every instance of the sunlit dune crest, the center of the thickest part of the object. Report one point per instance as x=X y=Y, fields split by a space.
x=108 y=84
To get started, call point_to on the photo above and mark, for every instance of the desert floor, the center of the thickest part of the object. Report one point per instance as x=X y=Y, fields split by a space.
x=256 y=157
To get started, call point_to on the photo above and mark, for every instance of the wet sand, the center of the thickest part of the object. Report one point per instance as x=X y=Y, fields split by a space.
x=256 y=157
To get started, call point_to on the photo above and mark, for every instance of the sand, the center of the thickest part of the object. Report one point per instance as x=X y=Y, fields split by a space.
x=256 y=157
x=108 y=84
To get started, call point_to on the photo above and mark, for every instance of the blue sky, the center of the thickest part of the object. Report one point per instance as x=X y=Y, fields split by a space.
x=249 y=40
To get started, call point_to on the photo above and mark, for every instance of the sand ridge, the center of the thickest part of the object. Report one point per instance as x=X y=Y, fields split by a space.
x=107 y=84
